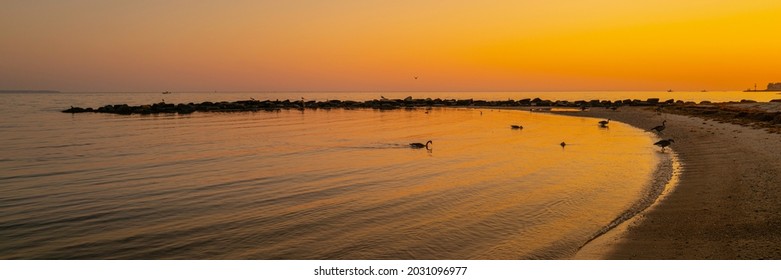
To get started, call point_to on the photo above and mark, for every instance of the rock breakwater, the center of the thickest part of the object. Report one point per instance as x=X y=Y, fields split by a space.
x=381 y=104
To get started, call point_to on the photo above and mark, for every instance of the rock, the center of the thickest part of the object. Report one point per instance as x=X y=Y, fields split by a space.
x=74 y=110
x=777 y=119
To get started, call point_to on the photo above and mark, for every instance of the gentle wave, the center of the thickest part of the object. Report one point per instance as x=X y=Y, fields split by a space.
x=324 y=184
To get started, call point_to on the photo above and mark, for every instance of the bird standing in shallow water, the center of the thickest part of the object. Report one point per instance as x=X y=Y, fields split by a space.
x=659 y=128
x=515 y=126
x=664 y=143
x=421 y=145
x=563 y=144
x=604 y=123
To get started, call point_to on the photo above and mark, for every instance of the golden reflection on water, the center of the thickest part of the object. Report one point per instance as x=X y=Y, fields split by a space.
x=327 y=184
x=483 y=191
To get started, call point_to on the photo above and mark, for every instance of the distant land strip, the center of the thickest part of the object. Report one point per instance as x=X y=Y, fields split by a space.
x=762 y=90
x=27 y=91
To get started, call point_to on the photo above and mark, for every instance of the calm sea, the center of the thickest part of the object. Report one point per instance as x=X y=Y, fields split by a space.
x=319 y=184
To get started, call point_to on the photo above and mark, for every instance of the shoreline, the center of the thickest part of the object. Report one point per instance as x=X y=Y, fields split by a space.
x=660 y=184
x=726 y=203
x=727 y=200
x=663 y=181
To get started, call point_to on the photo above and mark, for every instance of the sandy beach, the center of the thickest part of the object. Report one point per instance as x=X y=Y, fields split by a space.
x=725 y=205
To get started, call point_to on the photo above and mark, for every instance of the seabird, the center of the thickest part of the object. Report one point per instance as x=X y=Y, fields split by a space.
x=664 y=143
x=515 y=126
x=563 y=144
x=421 y=145
x=604 y=123
x=659 y=128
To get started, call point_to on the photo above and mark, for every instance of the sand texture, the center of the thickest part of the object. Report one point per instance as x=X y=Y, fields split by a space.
x=726 y=205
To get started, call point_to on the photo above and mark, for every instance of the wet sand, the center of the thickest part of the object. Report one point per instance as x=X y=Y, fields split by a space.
x=726 y=204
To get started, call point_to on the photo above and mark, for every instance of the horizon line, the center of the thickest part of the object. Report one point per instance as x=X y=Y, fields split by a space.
x=353 y=91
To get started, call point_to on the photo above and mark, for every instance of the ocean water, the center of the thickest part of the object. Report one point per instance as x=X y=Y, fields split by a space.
x=317 y=184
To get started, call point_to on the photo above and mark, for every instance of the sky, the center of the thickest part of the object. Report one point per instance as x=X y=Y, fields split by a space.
x=378 y=45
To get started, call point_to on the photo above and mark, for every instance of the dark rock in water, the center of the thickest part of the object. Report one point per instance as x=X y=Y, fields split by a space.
x=464 y=102
x=652 y=101
x=747 y=101
x=184 y=109
x=775 y=100
x=383 y=104
x=544 y=103
x=74 y=110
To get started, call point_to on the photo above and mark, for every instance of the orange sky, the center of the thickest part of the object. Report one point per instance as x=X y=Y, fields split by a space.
x=373 y=45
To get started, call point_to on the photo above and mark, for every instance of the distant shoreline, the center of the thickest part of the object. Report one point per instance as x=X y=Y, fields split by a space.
x=725 y=205
x=28 y=91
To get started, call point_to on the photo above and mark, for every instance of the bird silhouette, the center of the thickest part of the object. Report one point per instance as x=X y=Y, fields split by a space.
x=604 y=122
x=659 y=128
x=421 y=145
x=563 y=144
x=664 y=143
x=515 y=126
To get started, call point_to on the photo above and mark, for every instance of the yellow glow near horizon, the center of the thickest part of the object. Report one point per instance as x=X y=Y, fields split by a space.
x=381 y=45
